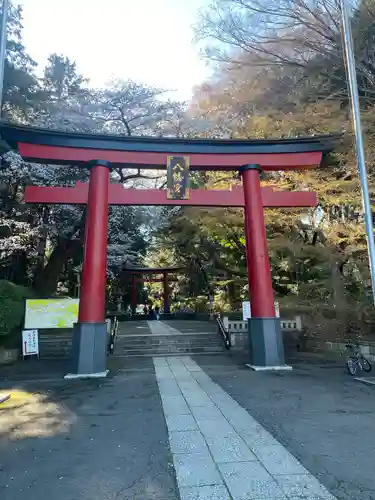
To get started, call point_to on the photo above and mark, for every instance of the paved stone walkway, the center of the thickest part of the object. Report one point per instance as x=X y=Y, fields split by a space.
x=168 y=328
x=321 y=414
x=219 y=451
x=161 y=328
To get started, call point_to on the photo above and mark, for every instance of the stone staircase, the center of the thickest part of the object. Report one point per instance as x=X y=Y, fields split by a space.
x=158 y=338
x=164 y=345
x=164 y=341
x=155 y=338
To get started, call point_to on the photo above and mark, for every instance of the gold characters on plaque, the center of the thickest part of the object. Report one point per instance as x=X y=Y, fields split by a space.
x=178 y=178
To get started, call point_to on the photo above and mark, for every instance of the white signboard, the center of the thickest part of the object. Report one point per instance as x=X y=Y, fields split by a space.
x=246 y=310
x=277 y=309
x=51 y=313
x=226 y=323
x=30 y=342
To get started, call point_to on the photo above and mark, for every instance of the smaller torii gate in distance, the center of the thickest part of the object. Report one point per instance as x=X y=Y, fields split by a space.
x=100 y=153
x=137 y=276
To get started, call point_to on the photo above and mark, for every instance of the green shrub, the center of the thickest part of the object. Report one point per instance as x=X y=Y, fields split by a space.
x=12 y=311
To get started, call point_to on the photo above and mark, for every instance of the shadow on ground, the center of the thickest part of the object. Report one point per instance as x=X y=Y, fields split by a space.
x=85 y=439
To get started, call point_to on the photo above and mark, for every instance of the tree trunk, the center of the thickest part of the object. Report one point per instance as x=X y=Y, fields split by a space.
x=18 y=270
x=46 y=280
x=231 y=294
x=339 y=296
x=42 y=244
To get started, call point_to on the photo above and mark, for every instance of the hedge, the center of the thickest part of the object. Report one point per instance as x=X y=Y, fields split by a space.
x=12 y=311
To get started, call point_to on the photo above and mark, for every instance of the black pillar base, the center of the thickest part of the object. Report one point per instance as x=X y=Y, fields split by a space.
x=89 y=349
x=266 y=343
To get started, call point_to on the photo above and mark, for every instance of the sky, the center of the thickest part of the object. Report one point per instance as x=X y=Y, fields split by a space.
x=143 y=40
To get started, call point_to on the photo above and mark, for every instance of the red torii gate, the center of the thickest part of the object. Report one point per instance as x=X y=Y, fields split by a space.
x=164 y=271
x=117 y=195
x=102 y=152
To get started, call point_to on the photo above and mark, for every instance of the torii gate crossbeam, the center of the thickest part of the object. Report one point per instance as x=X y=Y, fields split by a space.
x=117 y=195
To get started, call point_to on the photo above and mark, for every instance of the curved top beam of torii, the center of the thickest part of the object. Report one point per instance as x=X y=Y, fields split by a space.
x=61 y=148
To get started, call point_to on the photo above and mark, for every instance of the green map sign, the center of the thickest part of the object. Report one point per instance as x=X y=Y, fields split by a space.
x=51 y=313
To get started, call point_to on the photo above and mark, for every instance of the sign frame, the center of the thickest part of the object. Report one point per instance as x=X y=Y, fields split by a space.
x=246 y=310
x=30 y=342
x=31 y=325
x=178 y=180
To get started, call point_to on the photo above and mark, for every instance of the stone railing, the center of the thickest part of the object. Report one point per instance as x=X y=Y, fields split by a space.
x=339 y=347
x=58 y=343
x=238 y=330
x=294 y=324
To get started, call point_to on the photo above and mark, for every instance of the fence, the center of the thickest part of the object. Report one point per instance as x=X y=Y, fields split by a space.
x=238 y=330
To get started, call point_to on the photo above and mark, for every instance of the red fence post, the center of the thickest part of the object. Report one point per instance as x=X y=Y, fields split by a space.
x=90 y=334
x=266 y=345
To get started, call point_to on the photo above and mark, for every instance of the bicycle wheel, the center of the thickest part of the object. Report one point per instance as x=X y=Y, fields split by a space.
x=352 y=365
x=366 y=365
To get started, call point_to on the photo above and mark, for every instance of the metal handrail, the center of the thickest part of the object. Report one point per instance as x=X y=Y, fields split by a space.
x=112 y=336
x=223 y=332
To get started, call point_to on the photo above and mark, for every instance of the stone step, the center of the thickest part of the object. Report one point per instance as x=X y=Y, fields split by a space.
x=170 y=342
x=164 y=342
x=59 y=346
x=165 y=346
x=158 y=338
x=168 y=348
x=150 y=353
x=168 y=335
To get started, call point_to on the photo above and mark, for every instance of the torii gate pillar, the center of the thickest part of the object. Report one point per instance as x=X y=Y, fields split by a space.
x=89 y=348
x=167 y=307
x=265 y=337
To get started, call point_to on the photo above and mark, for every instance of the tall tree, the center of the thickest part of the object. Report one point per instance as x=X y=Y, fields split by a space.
x=61 y=79
x=298 y=40
x=68 y=99
x=21 y=87
x=130 y=108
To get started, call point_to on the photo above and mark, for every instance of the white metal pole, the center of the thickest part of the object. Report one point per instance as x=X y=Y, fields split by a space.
x=3 y=44
x=359 y=145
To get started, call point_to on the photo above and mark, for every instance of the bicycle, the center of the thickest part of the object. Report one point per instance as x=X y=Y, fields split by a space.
x=356 y=360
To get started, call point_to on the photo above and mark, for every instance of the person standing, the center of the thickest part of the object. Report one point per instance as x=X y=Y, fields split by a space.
x=129 y=311
x=151 y=313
